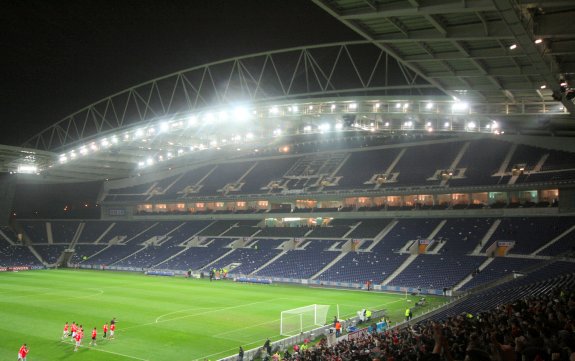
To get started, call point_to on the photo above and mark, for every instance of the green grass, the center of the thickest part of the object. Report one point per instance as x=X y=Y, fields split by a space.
x=159 y=318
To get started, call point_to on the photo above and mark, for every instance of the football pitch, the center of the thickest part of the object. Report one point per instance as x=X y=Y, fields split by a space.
x=159 y=318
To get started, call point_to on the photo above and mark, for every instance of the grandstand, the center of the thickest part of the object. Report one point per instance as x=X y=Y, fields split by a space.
x=438 y=182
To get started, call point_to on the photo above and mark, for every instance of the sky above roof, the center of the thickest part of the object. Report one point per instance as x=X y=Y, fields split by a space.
x=59 y=56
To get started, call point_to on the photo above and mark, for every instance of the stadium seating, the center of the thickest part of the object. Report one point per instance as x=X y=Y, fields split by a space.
x=303 y=262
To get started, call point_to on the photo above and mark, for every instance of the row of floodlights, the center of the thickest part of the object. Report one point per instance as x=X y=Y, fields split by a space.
x=492 y=126
x=515 y=46
x=237 y=114
x=234 y=141
x=471 y=126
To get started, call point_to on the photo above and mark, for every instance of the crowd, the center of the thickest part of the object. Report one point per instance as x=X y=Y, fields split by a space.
x=540 y=328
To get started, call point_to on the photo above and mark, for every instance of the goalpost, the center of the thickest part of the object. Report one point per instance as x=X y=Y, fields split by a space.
x=302 y=319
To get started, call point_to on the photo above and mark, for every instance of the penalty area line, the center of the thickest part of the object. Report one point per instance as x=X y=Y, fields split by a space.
x=106 y=351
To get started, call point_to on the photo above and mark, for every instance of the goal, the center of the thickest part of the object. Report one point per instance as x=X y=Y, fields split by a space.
x=302 y=319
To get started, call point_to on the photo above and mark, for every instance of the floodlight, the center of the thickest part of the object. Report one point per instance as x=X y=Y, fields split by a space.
x=105 y=142
x=249 y=136
x=386 y=124
x=324 y=127
x=352 y=106
x=149 y=161
x=446 y=125
x=406 y=105
x=139 y=133
x=538 y=41
x=83 y=150
x=27 y=168
x=310 y=107
x=307 y=128
x=164 y=127
x=209 y=118
x=213 y=143
x=73 y=155
x=277 y=132
x=241 y=113
x=274 y=110
x=471 y=125
x=180 y=151
x=429 y=106
x=428 y=124
x=223 y=115
x=398 y=105
x=141 y=164
x=430 y=129
x=114 y=139
x=94 y=146
x=513 y=46
x=339 y=126
x=459 y=106
x=192 y=120
x=377 y=105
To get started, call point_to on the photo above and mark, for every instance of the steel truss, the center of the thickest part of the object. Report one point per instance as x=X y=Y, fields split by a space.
x=339 y=69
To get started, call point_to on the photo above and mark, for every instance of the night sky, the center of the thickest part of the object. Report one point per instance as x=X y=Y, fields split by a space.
x=59 y=56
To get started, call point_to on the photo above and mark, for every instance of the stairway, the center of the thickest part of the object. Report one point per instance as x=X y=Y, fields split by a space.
x=399 y=269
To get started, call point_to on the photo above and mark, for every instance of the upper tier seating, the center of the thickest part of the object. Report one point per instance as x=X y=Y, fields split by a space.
x=404 y=165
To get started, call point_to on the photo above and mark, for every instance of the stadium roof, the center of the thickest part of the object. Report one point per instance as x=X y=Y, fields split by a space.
x=441 y=65
x=483 y=50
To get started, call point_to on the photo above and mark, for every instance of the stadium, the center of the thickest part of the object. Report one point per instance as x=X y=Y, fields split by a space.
x=417 y=184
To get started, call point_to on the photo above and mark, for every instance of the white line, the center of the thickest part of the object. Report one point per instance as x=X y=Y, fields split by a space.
x=199 y=314
x=100 y=292
x=111 y=352
x=185 y=309
x=218 y=335
x=231 y=349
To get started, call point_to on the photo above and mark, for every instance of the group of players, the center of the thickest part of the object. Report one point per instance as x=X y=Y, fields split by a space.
x=76 y=333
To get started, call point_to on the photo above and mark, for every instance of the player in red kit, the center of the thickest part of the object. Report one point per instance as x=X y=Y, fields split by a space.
x=74 y=329
x=23 y=352
x=65 y=333
x=78 y=338
x=94 y=334
x=105 y=329
x=112 y=329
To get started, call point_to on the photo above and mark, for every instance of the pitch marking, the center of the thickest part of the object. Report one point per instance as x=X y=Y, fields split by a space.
x=110 y=352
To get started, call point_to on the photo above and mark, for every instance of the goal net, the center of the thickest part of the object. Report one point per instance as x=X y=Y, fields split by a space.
x=303 y=319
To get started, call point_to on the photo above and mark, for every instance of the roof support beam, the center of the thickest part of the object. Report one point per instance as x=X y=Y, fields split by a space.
x=547 y=66
x=381 y=45
x=438 y=7
x=466 y=32
x=484 y=71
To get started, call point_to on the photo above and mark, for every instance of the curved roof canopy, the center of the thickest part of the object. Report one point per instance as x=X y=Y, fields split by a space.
x=425 y=65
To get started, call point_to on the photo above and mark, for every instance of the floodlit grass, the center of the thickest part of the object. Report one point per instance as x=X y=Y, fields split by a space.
x=159 y=318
